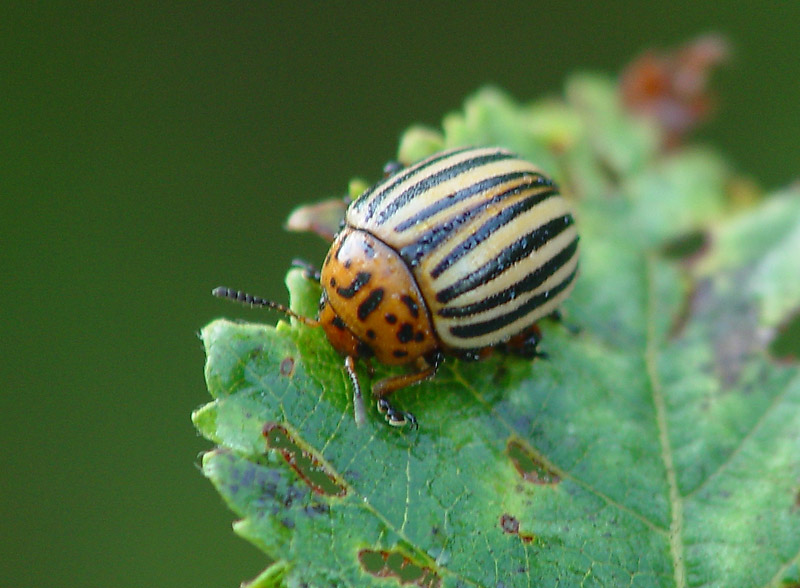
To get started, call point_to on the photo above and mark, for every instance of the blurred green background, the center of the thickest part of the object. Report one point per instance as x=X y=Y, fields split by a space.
x=152 y=151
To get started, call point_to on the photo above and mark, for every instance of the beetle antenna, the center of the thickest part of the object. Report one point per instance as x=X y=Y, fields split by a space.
x=245 y=298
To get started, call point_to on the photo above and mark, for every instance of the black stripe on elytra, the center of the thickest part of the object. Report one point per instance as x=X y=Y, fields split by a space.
x=385 y=186
x=503 y=217
x=432 y=180
x=527 y=284
x=370 y=303
x=429 y=240
x=463 y=194
x=497 y=323
x=518 y=250
x=359 y=281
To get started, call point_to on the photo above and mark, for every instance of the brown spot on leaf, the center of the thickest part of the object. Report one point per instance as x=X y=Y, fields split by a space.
x=510 y=525
x=530 y=466
x=394 y=564
x=304 y=461
x=287 y=366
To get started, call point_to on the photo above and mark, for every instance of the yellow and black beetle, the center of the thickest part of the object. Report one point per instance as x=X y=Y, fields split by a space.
x=457 y=254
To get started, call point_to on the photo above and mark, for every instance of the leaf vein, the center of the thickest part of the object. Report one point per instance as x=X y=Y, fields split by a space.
x=676 y=501
x=743 y=442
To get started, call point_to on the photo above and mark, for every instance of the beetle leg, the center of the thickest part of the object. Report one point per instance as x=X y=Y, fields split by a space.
x=386 y=386
x=557 y=317
x=310 y=272
x=396 y=418
x=526 y=343
x=358 y=399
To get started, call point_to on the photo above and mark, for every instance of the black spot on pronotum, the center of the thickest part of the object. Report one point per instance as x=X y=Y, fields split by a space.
x=419 y=336
x=370 y=304
x=390 y=318
x=371 y=334
x=338 y=323
x=412 y=305
x=405 y=333
x=360 y=280
x=400 y=353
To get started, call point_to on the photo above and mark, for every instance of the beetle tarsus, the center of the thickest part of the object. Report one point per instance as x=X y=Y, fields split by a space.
x=395 y=417
x=558 y=317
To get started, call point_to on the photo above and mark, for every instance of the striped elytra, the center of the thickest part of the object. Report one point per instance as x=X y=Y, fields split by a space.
x=491 y=244
x=457 y=254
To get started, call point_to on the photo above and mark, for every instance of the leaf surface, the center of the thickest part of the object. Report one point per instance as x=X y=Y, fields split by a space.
x=658 y=446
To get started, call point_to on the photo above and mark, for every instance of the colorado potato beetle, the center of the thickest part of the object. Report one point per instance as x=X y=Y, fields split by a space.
x=458 y=254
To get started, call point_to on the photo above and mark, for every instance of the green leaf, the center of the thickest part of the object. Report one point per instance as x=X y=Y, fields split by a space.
x=658 y=446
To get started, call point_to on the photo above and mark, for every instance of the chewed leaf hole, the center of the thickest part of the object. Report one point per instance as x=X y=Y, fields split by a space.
x=686 y=246
x=393 y=564
x=510 y=525
x=303 y=461
x=786 y=344
x=529 y=466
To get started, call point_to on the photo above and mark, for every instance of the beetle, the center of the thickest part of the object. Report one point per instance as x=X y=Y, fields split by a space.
x=457 y=255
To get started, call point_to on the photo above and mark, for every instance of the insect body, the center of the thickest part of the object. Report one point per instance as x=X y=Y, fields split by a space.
x=456 y=255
